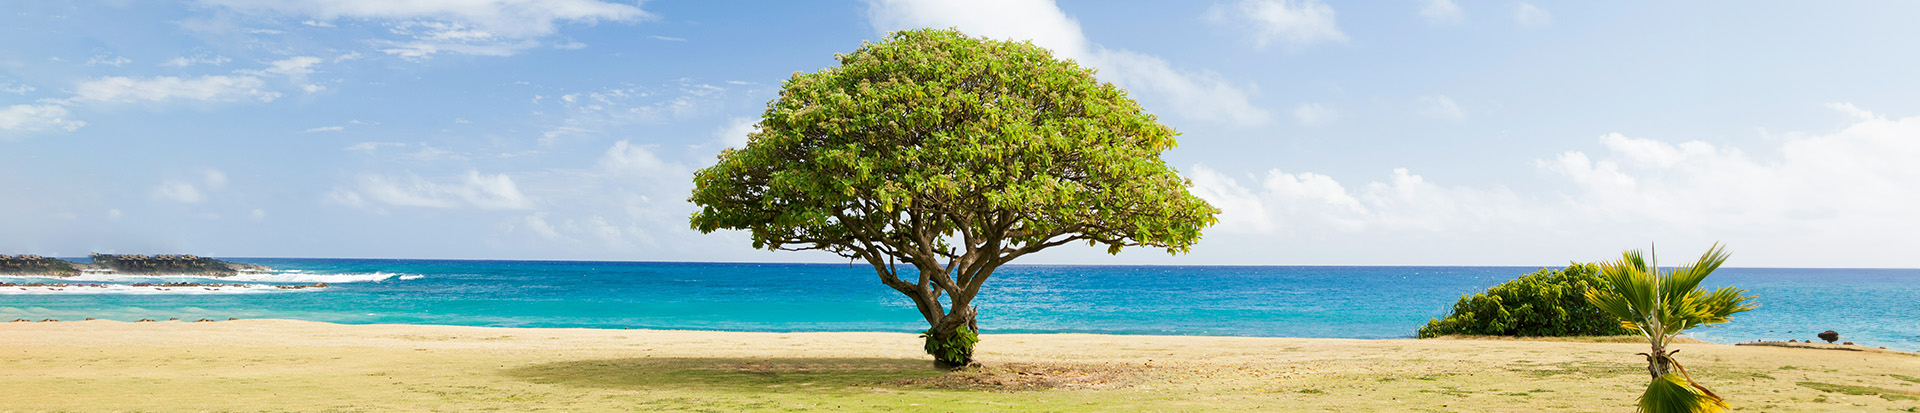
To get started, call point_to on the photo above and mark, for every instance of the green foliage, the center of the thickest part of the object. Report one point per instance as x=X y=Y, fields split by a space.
x=1661 y=303
x=1672 y=393
x=954 y=155
x=935 y=133
x=953 y=349
x=1546 y=303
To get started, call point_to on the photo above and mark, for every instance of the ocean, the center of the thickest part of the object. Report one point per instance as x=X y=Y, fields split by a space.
x=1872 y=307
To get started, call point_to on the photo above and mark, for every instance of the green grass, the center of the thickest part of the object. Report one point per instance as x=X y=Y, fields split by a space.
x=1852 y=390
x=737 y=375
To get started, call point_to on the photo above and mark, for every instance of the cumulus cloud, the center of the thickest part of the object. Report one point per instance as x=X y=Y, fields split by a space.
x=1442 y=12
x=120 y=89
x=1295 y=23
x=178 y=191
x=734 y=133
x=1314 y=114
x=1842 y=199
x=1441 y=107
x=189 y=191
x=473 y=189
x=428 y=27
x=1196 y=95
x=22 y=119
x=1528 y=15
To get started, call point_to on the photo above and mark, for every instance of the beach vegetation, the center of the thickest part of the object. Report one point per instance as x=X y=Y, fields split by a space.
x=1660 y=304
x=1546 y=303
x=937 y=158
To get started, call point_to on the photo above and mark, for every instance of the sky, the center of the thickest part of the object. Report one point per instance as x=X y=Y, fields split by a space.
x=1415 y=132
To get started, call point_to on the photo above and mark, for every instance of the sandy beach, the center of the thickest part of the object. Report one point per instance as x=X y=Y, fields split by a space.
x=309 y=366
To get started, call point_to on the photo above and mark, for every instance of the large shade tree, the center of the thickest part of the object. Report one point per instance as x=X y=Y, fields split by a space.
x=937 y=158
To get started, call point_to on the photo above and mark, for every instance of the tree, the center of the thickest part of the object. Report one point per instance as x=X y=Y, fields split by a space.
x=953 y=155
x=1547 y=302
x=1660 y=304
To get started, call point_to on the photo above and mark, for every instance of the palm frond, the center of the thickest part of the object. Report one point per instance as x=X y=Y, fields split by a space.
x=1672 y=393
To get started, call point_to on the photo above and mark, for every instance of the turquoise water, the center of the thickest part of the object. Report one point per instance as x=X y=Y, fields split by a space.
x=1871 y=307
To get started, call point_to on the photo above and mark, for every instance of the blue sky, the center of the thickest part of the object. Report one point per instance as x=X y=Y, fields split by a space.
x=1443 y=132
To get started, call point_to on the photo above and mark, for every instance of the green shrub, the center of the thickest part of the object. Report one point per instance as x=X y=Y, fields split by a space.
x=1547 y=302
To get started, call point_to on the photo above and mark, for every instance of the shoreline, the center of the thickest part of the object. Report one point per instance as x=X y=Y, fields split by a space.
x=1626 y=339
x=263 y=364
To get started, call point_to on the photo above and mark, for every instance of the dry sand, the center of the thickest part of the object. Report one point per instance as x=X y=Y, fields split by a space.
x=306 y=366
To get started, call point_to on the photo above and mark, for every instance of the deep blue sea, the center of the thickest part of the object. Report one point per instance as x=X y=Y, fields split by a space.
x=1868 y=306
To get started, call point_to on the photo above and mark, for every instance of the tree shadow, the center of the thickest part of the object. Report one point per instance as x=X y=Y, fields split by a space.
x=776 y=375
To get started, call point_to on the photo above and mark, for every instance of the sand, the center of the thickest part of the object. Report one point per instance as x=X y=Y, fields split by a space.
x=307 y=366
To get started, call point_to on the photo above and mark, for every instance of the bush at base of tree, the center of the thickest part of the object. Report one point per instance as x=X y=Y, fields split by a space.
x=1547 y=302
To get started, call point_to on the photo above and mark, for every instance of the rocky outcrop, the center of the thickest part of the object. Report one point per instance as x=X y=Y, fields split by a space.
x=164 y=264
x=168 y=264
x=36 y=266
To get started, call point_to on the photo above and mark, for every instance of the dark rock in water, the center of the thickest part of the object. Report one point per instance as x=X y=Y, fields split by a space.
x=145 y=320
x=36 y=266
x=173 y=265
x=1848 y=343
x=1830 y=336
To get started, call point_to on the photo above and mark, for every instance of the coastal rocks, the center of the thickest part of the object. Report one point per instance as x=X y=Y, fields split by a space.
x=1849 y=346
x=29 y=265
x=163 y=264
x=168 y=264
x=1830 y=336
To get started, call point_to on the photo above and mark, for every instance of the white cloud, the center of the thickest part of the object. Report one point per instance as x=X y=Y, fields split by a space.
x=670 y=39
x=9 y=87
x=1528 y=15
x=570 y=45
x=475 y=27
x=214 y=178
x=115 y=61
x=1195 y=95
x=1848 y=109
x=185 y=61
x=257 y=215
x=114 y=214
x=20 y=119
x=335 y=128
x=1296 y=23
x=474 y=189
x=372 y=146
x=1442 y=12
x=179 y=191
x=118 y=89
x=1838 y=199
x=186 y=192
x=1441 y=107
x=538 y=223
x=1296 y=203
x=734 y=133
x=1314 y=114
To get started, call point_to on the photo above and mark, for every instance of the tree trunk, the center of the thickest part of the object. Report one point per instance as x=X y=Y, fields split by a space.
x=1658 y=364
x=951 y=340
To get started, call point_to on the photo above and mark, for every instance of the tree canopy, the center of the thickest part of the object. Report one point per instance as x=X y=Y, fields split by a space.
x=955 y=155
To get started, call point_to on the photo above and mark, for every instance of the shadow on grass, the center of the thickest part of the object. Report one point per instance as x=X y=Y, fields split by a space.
x=776 y=375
